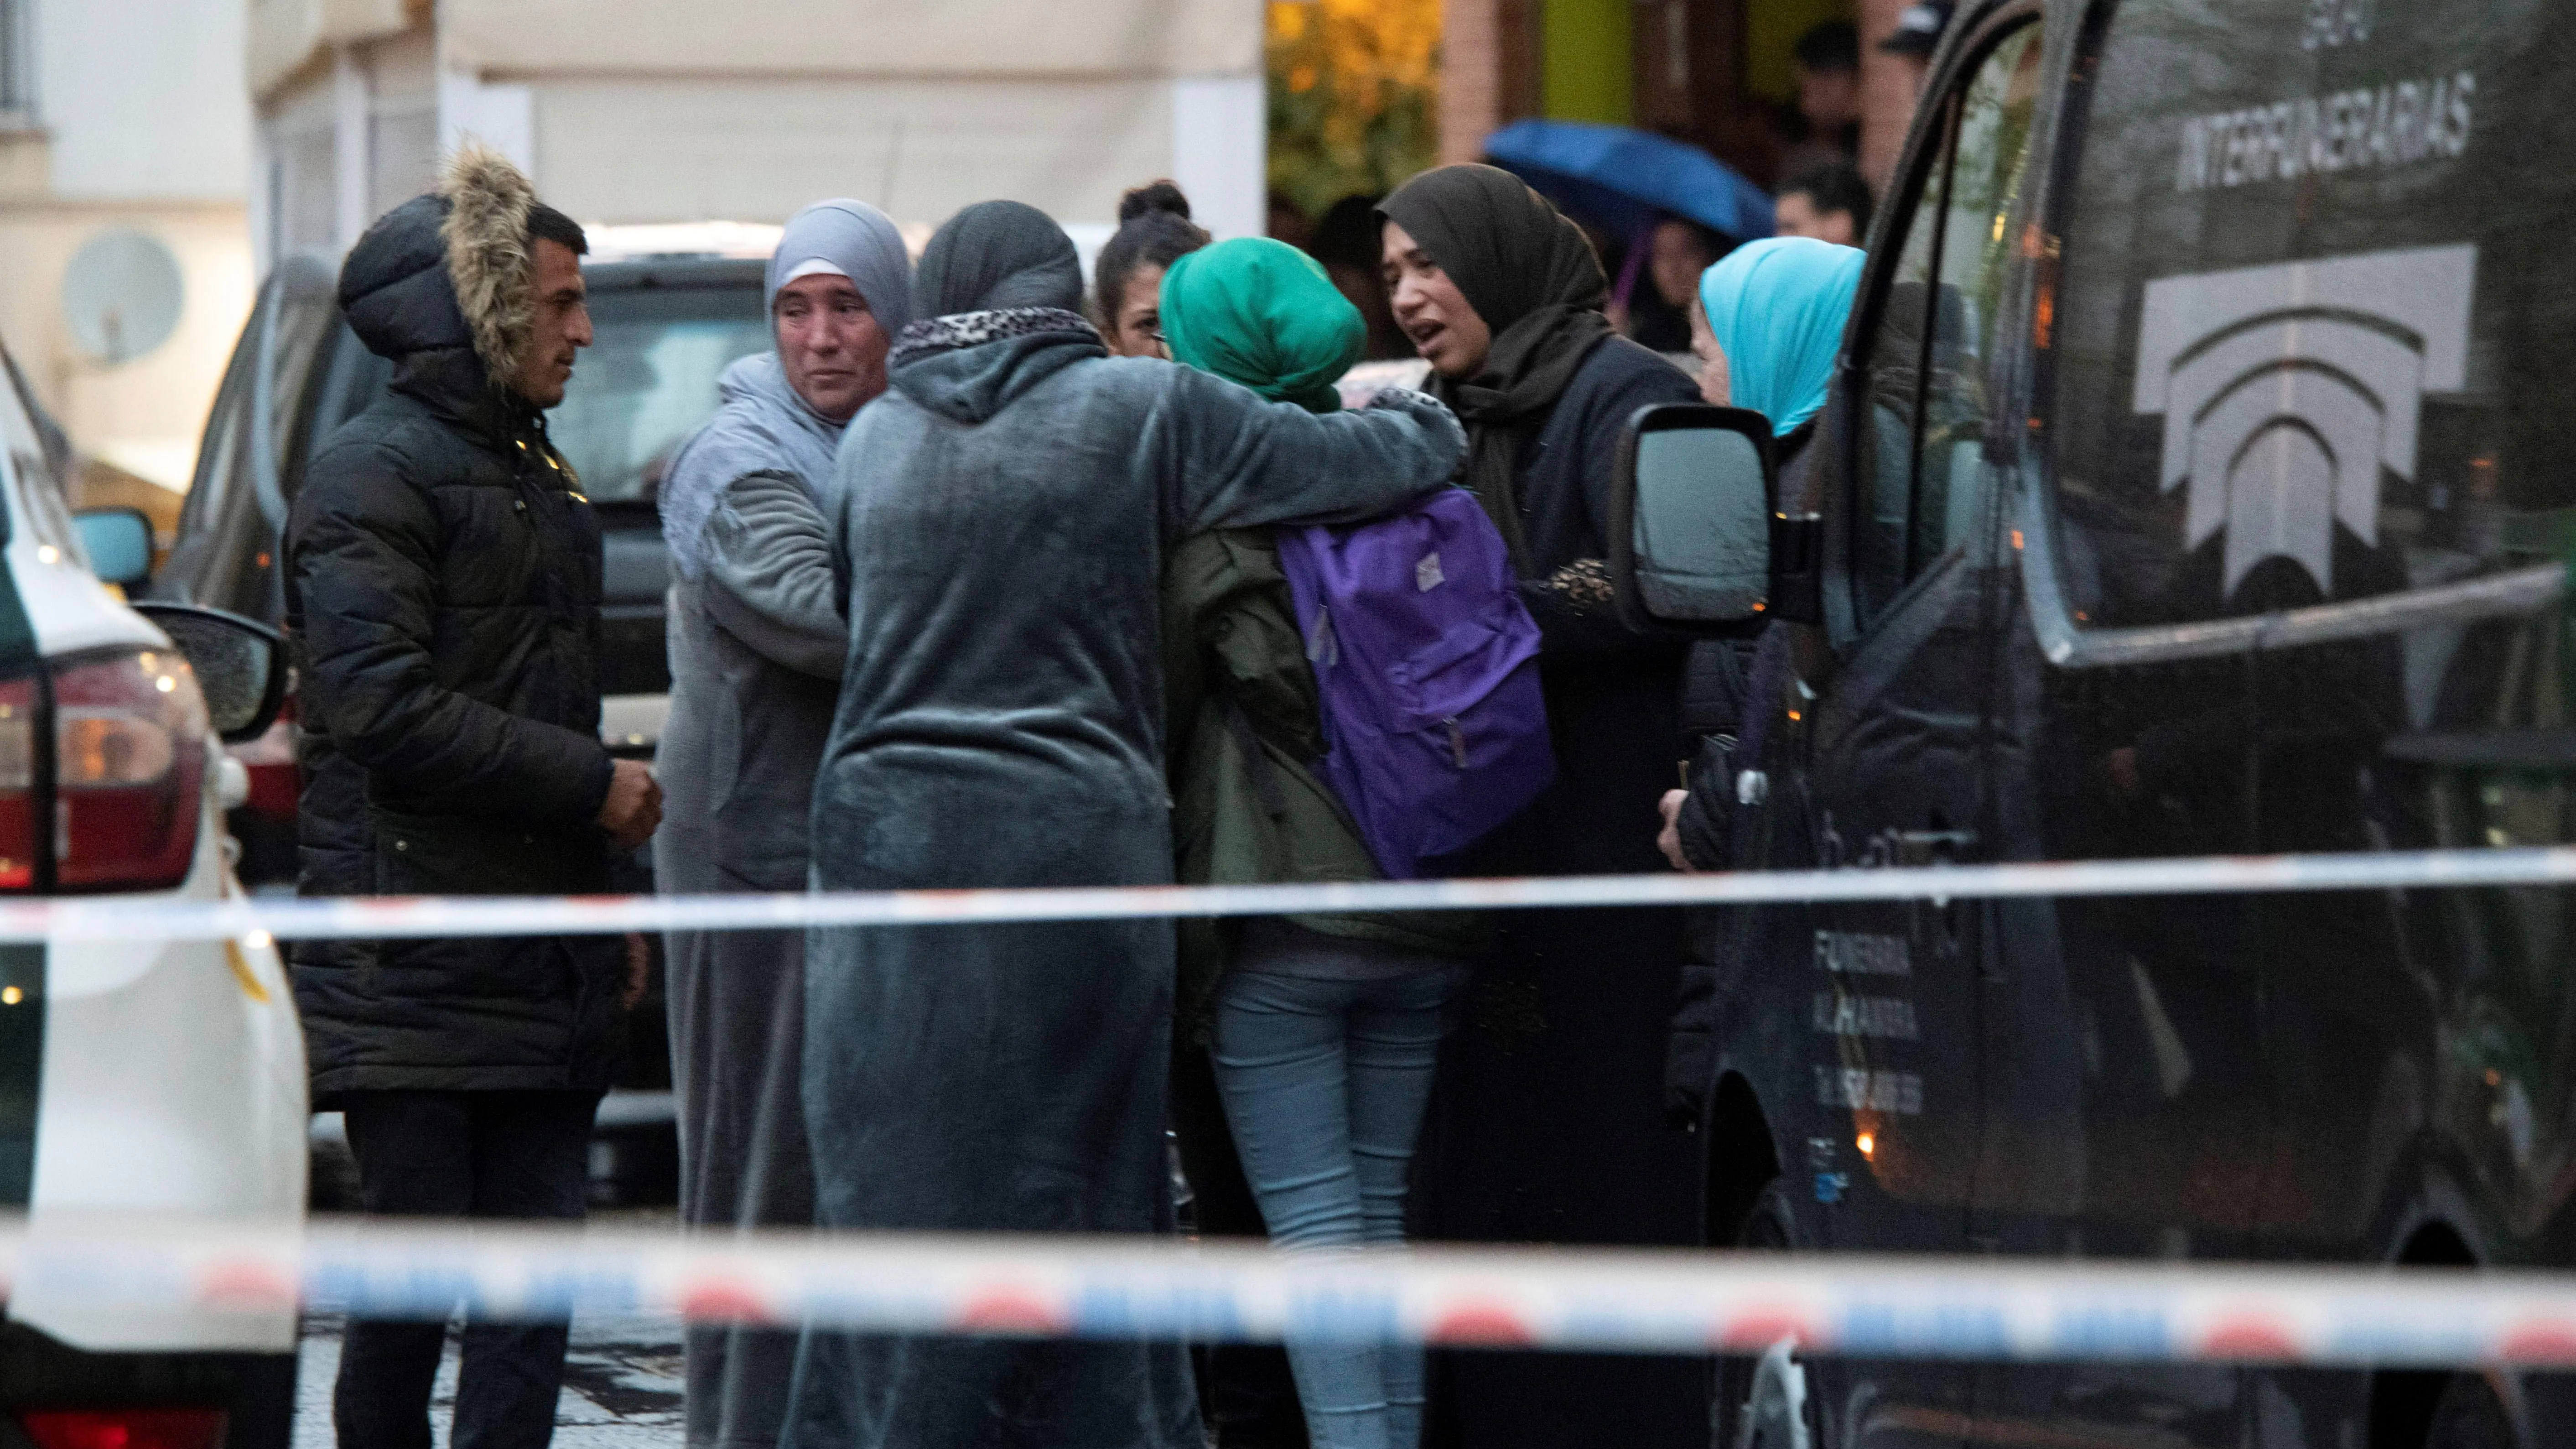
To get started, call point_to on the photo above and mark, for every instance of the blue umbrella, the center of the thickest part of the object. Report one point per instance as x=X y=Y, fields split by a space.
x=1619 y=178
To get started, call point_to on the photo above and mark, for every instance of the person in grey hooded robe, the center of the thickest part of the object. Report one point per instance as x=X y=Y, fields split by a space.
x=1005 y=511
x=757 y=641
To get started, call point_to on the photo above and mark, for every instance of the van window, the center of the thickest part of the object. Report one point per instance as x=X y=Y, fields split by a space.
x=2314 y=326
x=47 y=513
x=291 y=324
x=225 y=549
x=648 y=380
x=1922 y=452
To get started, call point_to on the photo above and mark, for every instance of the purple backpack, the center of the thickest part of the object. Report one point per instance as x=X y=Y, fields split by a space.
x=1427 y=663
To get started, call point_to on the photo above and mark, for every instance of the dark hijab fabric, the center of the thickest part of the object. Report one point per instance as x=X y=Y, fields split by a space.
x=1533 y=279
x=998 y=254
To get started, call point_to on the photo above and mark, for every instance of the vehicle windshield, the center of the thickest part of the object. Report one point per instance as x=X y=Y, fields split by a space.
x=648 y=379
x=46 y=514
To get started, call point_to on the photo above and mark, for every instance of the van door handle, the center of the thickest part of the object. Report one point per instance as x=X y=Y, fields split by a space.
x=1933 y=847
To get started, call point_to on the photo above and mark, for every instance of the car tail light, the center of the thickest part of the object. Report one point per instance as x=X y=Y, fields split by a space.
x=276 y=783
x=129 y=771
x=110 y=752
x=124 y=1428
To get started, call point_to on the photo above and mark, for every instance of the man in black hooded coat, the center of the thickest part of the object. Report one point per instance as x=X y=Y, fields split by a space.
x=442 y=596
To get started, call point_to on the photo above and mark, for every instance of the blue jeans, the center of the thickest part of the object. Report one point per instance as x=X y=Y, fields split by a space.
x=1325 y=1083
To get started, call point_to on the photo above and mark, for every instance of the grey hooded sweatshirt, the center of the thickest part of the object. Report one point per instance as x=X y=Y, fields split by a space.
x=1004 y=512
x=756 y=642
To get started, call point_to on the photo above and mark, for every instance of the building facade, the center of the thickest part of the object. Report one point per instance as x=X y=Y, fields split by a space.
x=124 y=159
x=1709 y=71
x=680 y=110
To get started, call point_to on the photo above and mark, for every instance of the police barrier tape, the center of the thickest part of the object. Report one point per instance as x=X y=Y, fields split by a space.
x=378 y=917
x=1586 y=1299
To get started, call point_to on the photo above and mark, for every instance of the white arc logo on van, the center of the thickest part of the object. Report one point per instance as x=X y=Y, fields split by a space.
x=2285 y=390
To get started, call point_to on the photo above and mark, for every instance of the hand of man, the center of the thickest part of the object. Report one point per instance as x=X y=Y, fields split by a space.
x=633 y=810
x=1670 y=840
x=639 y=970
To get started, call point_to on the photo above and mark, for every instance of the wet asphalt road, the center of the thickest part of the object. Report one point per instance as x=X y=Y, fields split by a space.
x=621 y=1380
x=621 y=1386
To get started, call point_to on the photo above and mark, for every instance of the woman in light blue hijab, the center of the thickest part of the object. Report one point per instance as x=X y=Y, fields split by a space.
x=1771 y=320
x=757 y=643
x=1767 y=327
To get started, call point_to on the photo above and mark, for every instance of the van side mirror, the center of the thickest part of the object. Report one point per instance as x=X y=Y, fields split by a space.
x=1691 y=519
x=119 y=544
x=240 y=665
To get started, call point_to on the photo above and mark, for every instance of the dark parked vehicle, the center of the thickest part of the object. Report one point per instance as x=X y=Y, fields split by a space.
x=2197 y=479
x=665 y=327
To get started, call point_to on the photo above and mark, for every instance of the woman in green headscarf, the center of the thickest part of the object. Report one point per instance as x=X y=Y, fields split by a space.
x=1324 y=1029
x=1003 y=513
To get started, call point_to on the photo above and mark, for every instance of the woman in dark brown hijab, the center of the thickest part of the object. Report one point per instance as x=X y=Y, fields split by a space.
x=1549 y=1124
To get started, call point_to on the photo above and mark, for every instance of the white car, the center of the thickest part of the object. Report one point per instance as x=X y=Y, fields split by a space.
x=145 y=1076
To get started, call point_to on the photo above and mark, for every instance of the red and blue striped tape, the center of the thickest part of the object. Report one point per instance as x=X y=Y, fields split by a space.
x=1569 y=1299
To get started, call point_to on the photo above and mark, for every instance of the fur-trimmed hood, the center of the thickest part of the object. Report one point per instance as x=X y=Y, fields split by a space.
x=486 y=237
x=449 y=270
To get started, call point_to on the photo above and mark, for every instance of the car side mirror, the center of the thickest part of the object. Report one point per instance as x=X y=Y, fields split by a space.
x=240 y=665
x=119 y=544
x=1694 y=539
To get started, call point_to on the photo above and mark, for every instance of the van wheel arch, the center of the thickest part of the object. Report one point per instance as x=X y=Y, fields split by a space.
x=1742 y=1158
x=2437 y=1408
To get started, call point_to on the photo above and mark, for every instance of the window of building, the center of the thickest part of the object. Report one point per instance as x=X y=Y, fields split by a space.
x=17 y=65
x=1923 y=475
x=402 y=155
x=303 y=190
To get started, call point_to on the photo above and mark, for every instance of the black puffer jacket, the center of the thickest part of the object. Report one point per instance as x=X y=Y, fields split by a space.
x=443 y=597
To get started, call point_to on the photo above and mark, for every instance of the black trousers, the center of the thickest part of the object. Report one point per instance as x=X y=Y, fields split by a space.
x=461 y=1154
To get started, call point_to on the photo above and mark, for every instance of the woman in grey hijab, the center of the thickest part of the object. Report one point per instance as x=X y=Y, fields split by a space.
x=1005 y=510
x=756 y=648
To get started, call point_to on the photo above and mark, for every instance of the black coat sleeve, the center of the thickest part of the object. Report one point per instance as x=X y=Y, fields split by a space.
x=1706 y=827
x=1573 y=604
x=363 y=549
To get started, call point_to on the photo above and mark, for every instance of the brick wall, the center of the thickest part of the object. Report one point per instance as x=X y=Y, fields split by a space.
x=1887 y=85
x=1488 y=70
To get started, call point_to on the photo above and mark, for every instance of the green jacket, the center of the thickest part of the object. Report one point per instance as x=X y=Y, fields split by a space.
x=1236 y=681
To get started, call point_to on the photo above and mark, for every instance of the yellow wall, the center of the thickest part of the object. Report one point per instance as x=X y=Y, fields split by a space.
x=1585 y=68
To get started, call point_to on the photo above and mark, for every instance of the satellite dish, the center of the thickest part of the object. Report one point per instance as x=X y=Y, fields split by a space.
x=121 y=296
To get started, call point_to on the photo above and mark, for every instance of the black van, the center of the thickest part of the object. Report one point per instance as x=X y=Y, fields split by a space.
x=2200 y=477
x=665 y=327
